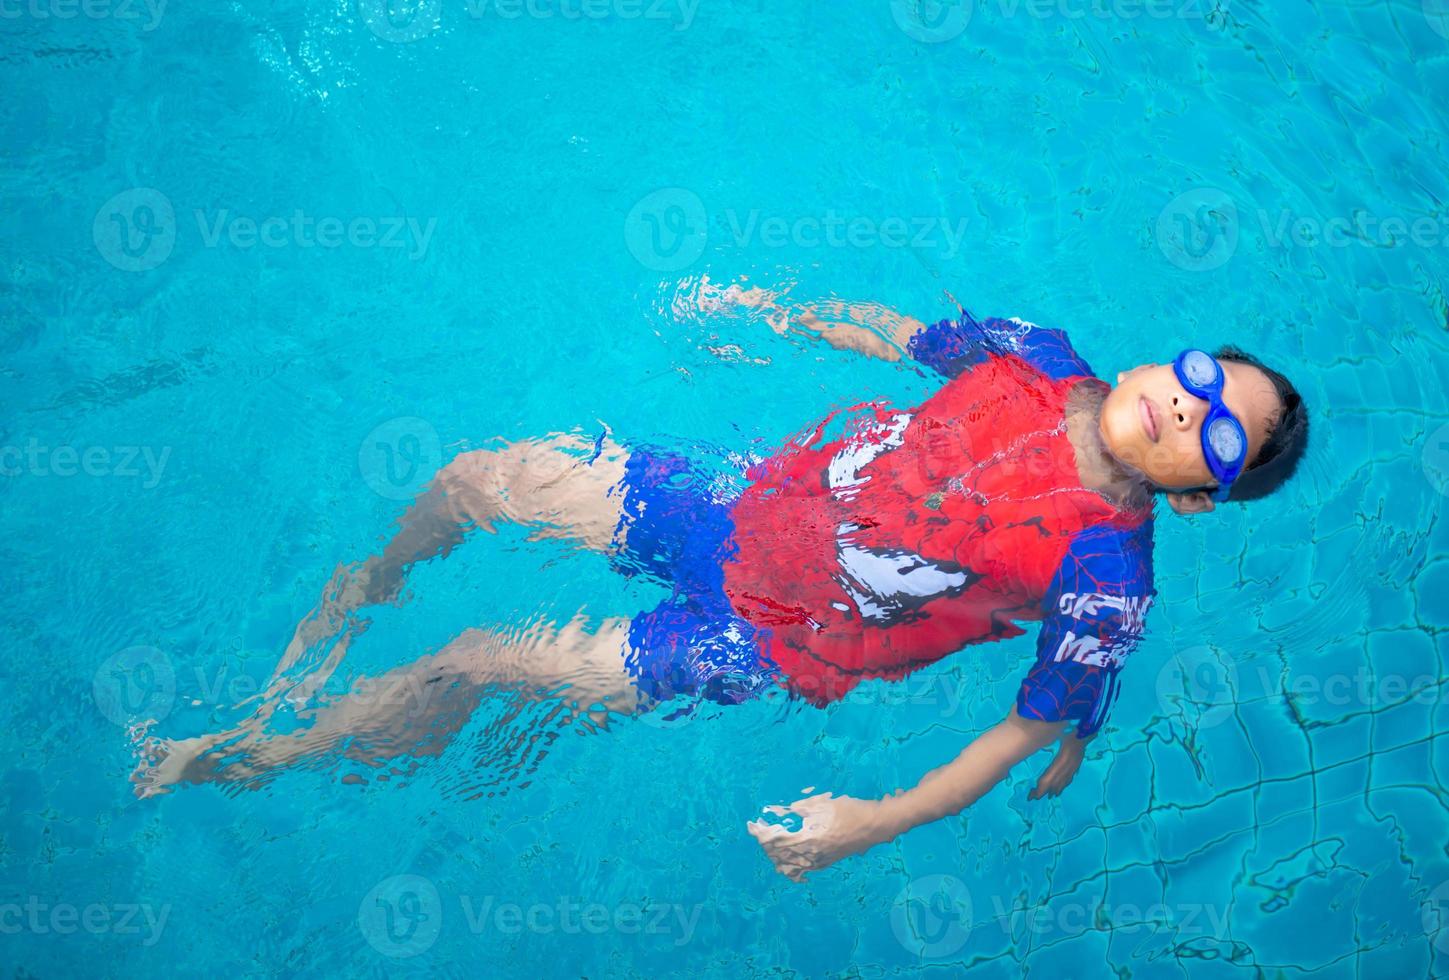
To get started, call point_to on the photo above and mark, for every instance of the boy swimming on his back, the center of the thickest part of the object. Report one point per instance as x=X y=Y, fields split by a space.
x=1021 y=490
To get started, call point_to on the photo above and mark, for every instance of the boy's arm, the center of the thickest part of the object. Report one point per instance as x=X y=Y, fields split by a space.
x=948 y=346
x=976 y=771
x=836 y=827
x=867 y=328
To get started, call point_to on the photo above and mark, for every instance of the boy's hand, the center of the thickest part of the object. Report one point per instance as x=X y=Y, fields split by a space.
x=1058 y=775
x=711 y=297
x=832 y=827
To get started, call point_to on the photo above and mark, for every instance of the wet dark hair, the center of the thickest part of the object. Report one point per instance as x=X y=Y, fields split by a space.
x=1287 y=437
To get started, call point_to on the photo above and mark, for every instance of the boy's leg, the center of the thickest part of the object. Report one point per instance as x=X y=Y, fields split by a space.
x=413 y=711
x=563 y=486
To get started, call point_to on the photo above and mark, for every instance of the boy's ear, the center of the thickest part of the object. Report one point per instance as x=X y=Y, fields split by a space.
x=1197 y=502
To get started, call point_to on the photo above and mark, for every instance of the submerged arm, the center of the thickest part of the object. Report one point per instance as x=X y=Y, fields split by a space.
x=975 y=772
x=836 y=827
x=867 y=328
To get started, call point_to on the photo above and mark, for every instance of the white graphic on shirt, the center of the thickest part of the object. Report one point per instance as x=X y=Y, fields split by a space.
x=884 y=583
x=861 y=449
x=1123 y=635
x=1132 y=607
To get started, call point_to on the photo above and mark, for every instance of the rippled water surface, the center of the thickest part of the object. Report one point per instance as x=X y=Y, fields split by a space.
x=264 y=266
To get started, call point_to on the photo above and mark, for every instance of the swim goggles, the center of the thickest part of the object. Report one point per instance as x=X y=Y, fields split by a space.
x=1224 y=442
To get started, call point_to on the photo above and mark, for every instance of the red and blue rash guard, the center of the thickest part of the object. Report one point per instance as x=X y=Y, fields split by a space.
x=920 y=531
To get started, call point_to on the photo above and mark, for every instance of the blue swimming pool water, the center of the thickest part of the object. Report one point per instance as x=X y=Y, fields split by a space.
x=479 y=219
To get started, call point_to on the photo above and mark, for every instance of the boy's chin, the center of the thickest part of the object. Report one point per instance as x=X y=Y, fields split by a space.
x=1125 y=464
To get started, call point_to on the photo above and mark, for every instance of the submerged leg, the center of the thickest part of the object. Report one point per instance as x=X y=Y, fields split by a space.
x=563 y=486
x=414 y=711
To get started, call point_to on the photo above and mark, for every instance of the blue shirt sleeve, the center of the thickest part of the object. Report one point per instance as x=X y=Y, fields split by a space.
x=953 y=346
x=1095 y=613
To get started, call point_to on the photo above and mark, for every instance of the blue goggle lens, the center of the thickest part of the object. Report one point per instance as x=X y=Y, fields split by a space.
x=1227 y=442
x=1199 y=368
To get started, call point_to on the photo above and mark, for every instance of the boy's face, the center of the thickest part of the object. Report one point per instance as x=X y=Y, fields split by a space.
x=1152 y=424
